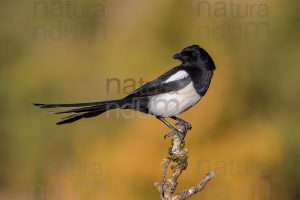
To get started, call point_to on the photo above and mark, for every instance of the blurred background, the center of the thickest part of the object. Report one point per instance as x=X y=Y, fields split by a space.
x=246 y=128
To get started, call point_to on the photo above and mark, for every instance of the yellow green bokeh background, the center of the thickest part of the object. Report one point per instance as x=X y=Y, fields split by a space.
x=246 y=128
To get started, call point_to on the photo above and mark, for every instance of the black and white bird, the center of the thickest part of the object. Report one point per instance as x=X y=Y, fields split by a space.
x=169 y=95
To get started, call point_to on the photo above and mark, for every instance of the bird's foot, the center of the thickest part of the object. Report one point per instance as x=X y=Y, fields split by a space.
x=181 y=136
x=180 y=132
x=169 y=135
x=185 y=124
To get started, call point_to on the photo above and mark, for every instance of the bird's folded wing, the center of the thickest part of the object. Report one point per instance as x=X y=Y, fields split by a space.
x=155 y=88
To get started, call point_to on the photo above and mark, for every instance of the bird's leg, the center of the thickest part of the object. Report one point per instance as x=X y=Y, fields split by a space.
x=187 y=125
x=179 y=133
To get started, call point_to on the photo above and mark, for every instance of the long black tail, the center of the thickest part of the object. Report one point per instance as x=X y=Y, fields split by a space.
x=86 y=110
x=70 y=104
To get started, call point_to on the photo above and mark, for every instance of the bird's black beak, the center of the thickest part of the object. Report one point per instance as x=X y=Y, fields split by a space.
x=178 y=56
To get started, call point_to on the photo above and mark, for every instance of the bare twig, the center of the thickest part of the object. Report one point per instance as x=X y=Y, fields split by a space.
x=178 y=155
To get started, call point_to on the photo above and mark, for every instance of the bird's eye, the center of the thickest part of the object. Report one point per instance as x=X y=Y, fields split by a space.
x=194 y=53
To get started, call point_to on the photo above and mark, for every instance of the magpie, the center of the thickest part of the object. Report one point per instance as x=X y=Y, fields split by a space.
x=169 y=95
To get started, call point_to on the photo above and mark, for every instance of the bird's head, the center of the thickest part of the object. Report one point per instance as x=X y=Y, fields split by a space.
x=195 y=55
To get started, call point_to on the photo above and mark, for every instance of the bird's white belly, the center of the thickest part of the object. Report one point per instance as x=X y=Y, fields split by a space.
x=173 y=103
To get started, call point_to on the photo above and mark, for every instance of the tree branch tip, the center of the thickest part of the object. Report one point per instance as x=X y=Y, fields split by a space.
x=210 y=174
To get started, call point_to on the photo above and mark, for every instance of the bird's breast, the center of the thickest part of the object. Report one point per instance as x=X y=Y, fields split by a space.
x=173 y=103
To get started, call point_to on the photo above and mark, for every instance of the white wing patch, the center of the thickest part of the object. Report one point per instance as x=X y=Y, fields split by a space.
x=177 y=76
x=173 y=103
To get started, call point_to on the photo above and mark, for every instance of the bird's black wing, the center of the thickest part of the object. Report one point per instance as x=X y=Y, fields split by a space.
x=159 y=86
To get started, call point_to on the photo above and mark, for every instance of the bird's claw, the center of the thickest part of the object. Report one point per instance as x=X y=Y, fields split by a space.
x=177 y=132
x=185 y=124
x=181 y=135
x=182 y=127
x=169 y=135
x=180 y=132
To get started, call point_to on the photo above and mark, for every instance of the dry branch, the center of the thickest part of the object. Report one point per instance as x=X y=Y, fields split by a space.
x=178 y=156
